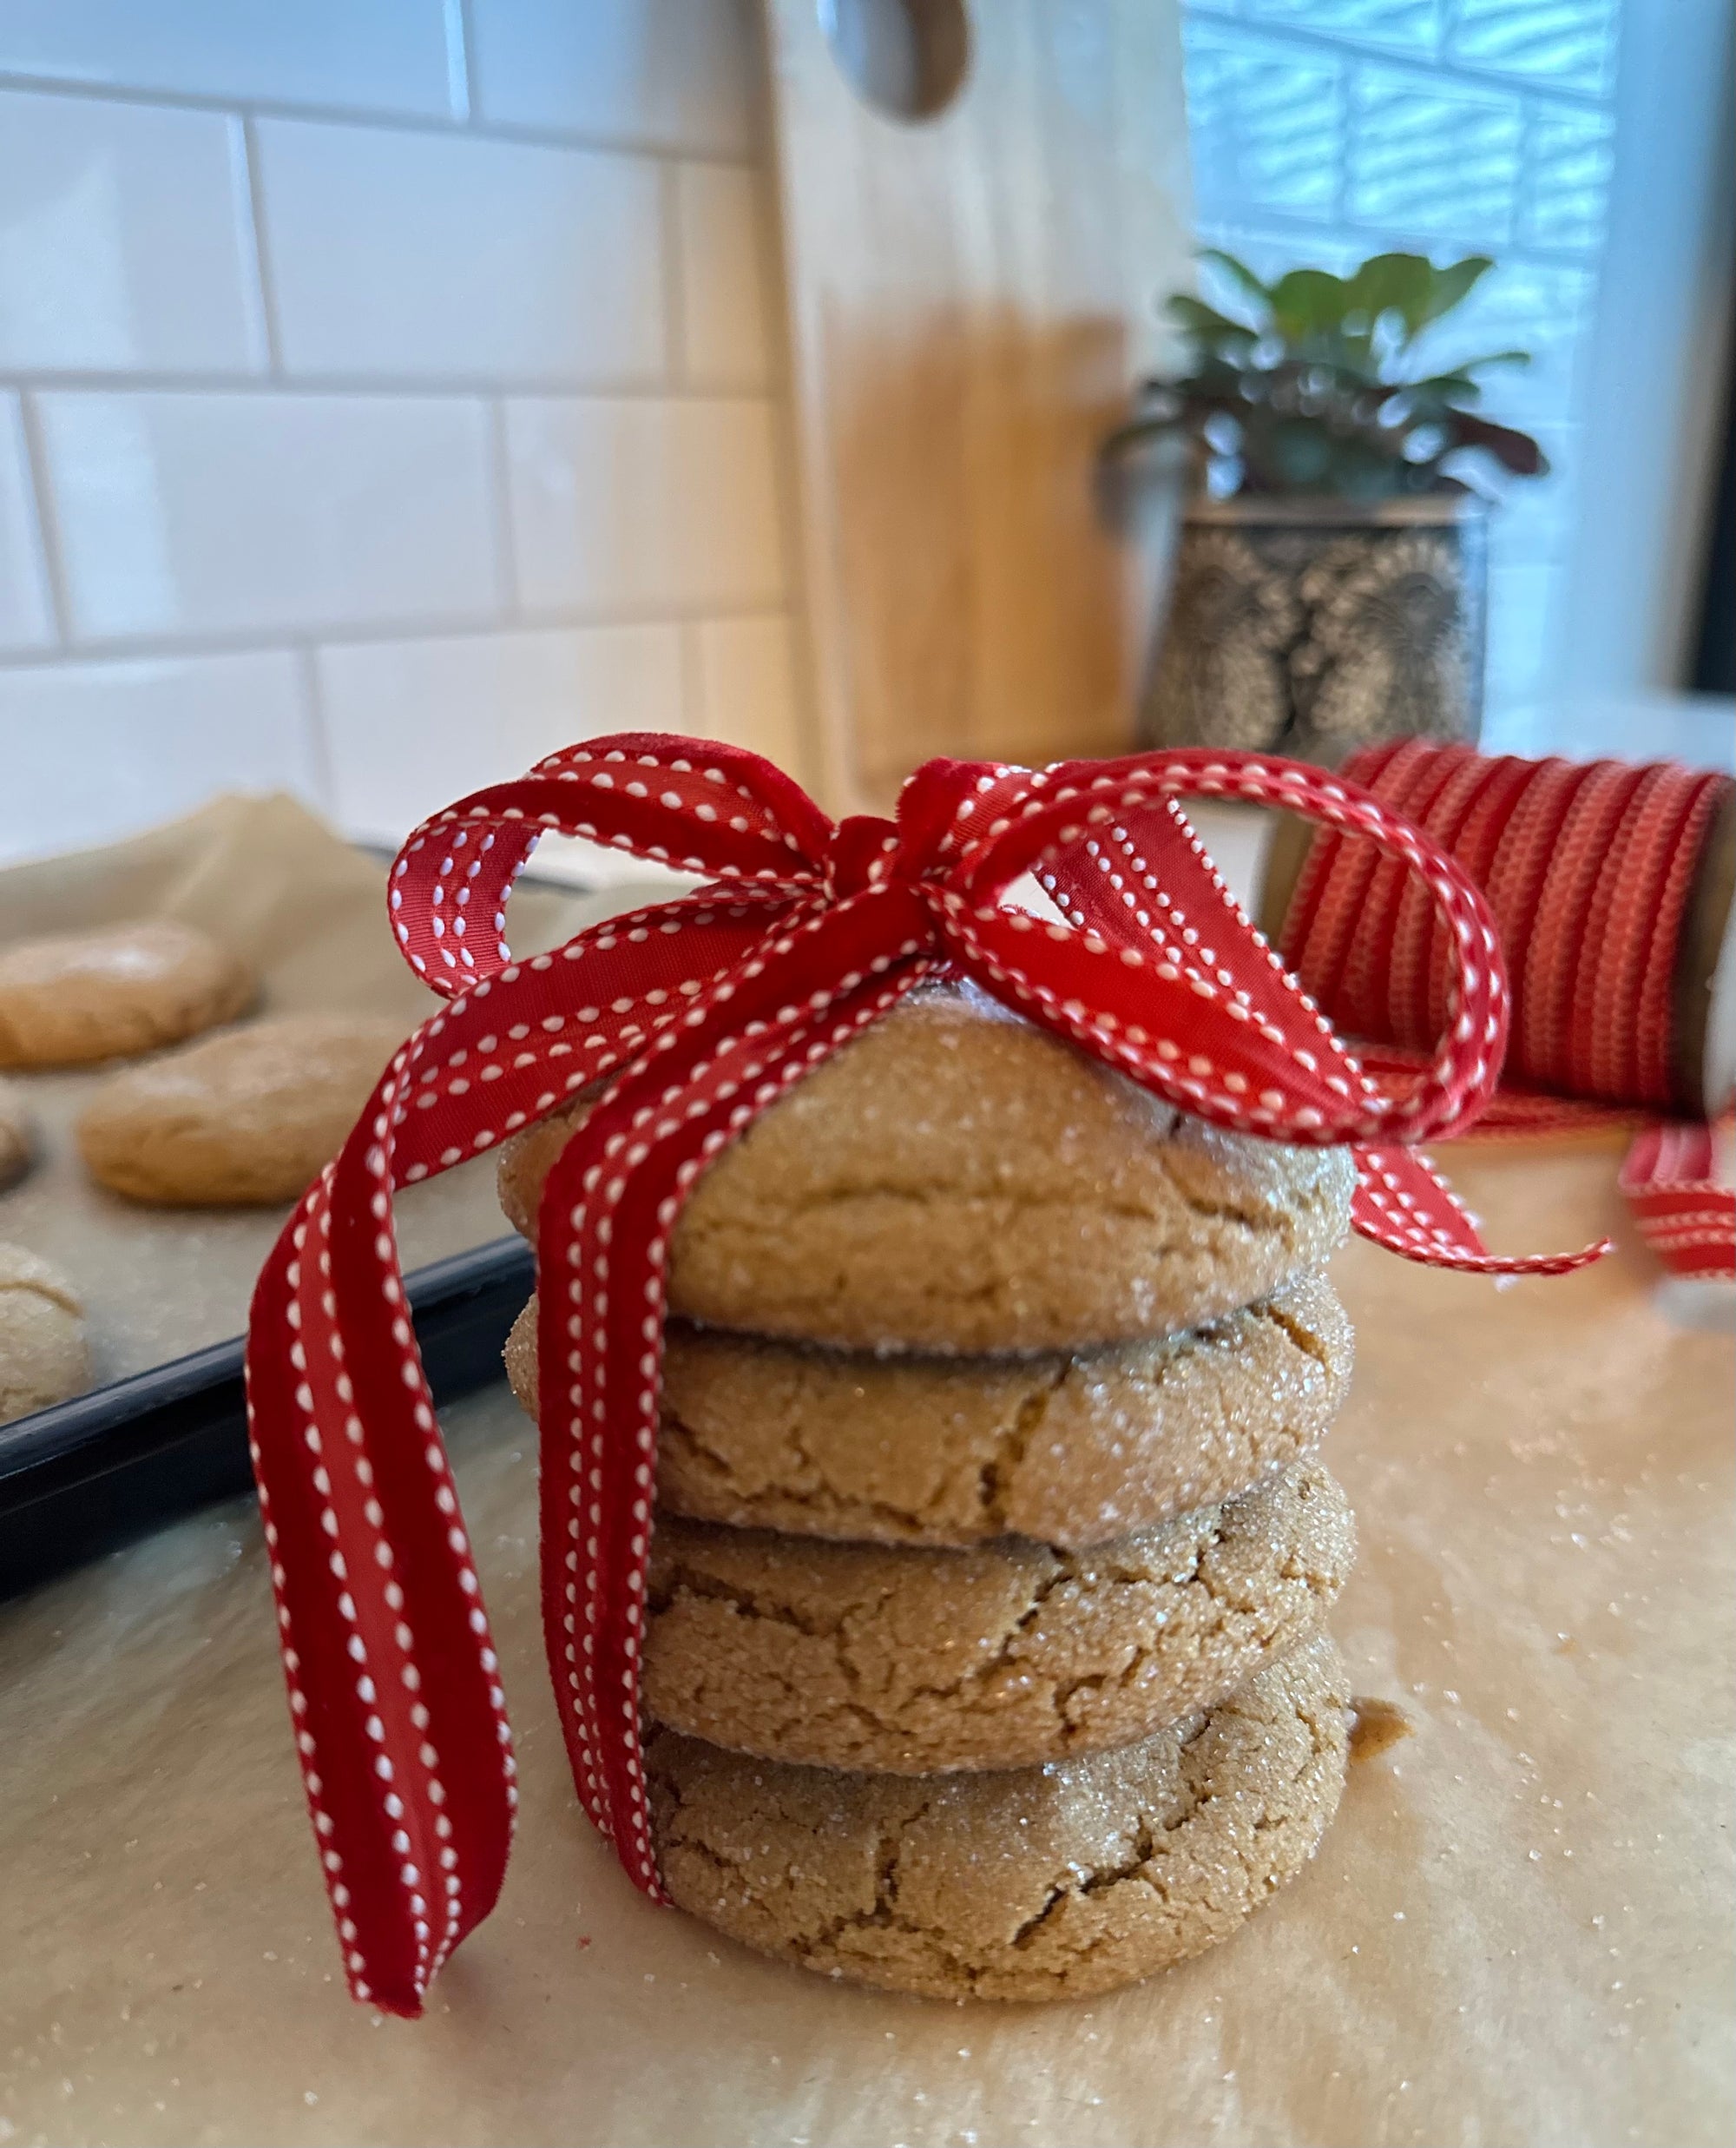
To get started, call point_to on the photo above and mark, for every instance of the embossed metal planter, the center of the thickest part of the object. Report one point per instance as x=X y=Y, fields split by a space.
x=1309 y=627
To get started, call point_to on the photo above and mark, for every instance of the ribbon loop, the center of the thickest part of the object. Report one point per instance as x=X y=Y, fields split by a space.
x=678 y=1024
x=1303 y=1085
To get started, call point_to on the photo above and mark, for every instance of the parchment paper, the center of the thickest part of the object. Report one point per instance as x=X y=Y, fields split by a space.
x=1518 y=1931
x=308 y=910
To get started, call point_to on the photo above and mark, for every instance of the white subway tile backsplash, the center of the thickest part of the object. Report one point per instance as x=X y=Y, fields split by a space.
x=196 y=514
x=749 y=690
x=430 y=255
x=123 y=240
x=26 y=615
x=725 y=267
x=482 y=295
x=412 y=725
x=144 y=741
x=677 y=74
x=387 y=55
x=619 y=504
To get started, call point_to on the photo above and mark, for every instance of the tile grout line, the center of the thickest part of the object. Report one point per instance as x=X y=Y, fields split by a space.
x=336 y=635
x=254 y=228
x=508 y=586
x=306 y=656
x=461 y=64
x=692 y=654
x=362 y=386
x=47 y=528
x=427 y=123
x=671 y=238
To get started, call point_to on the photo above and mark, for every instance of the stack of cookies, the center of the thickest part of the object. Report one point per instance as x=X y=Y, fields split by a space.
x=987 y=1652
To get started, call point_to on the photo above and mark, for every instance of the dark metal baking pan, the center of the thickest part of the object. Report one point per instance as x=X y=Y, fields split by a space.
x=87 y=1475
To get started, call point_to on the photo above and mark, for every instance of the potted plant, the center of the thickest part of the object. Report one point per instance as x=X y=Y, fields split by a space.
x=1329 y=587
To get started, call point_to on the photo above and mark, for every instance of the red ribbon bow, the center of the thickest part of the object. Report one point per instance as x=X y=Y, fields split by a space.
x=701 y=1011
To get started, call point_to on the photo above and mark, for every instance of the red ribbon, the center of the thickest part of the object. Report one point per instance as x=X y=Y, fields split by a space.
x=701 y=1011
x=1588 y=867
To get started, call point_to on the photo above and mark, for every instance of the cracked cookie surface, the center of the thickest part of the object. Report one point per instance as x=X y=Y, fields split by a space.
x=1069 y=1450
x=1028 y=1884
x=913 y=1660
x=957 y=1179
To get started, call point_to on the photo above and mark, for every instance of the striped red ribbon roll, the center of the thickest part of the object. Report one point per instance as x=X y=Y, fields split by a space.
x=1588 y=867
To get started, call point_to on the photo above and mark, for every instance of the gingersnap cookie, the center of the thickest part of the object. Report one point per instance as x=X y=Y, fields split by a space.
x=915 y=1661
x=1024 y=1884
x=43 y=1358
x=246 y=1118
x=75 y=997
x=14 y=1133
x=957 y=1179
x=1069 y=1450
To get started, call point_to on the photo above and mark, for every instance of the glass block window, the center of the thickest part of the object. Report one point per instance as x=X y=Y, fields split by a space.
x=1326 y=130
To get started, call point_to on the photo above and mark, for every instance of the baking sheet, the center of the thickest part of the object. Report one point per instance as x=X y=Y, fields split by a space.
x=308 y=910
x=1518 y=1931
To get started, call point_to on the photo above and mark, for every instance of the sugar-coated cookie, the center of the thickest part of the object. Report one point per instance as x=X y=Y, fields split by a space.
x=1031 y=1883
x=913 y=1662
x=1070 y=1450
x=43 y=1358
x=75 y=997
x=246 y=1118
x=957 y=1179
x=16 y=1140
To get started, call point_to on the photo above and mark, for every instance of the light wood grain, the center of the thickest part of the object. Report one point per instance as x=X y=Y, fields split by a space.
x=969 y=297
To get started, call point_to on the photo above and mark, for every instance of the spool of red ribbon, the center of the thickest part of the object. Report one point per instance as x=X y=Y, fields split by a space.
x=683 y=1022
x=1610 y=886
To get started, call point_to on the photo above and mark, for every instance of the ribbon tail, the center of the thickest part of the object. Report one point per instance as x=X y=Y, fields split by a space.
x=608 y=1211
x=393 y=1678
x=1685 y=1216
x=1403 y=1203
x=393 y=1687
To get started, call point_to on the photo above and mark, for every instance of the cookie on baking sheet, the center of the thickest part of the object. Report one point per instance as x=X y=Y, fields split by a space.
x=915 y=1661
x=1069 y=1450
x=1029 y=1883
x=16 y=1140
x=246 y=1118
x=110 y=994
x=43 y=1358
x=957 y=1179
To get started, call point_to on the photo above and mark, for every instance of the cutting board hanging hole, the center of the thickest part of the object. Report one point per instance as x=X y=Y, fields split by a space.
x=907 y=58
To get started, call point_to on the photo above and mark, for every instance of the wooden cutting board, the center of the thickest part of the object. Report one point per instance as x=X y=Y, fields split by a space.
x=970 y=295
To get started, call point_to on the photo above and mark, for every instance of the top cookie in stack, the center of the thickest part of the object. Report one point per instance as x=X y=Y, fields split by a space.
x=957 y=1180
x=990 y=1392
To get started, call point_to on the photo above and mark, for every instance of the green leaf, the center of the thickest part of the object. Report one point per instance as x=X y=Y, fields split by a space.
x=1449 y=288
x=1390 y=283
x=1457 y=386
x=1308 y=302
x=1239 y=275
x=1198 y=319
x=1331 y=409
x=1139 y=430
x=1494 y=358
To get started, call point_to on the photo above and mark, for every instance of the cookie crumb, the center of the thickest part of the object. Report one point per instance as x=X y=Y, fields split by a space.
x=1375 y=1725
